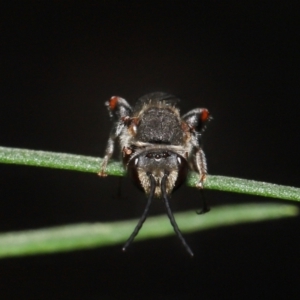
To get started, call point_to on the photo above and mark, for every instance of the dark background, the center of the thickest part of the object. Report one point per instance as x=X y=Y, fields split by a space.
x=60 y=61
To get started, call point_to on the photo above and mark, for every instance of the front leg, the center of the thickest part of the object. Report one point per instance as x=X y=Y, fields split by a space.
x=119 y=110
x=196 y=120
x=199 y=165
x=108 y=153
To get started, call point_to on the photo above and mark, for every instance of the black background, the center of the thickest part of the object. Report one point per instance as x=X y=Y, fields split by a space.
x=61 y=60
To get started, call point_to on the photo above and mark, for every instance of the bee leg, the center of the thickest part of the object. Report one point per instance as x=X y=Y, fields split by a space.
x=205 y=207
x=119 y=110
x=201 y=169
x=118 y=193
x=108 y=153
x=197 y=119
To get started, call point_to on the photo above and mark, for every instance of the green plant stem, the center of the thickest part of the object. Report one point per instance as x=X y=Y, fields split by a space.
x=80 y=236
x=92 y=164
x=83 y=236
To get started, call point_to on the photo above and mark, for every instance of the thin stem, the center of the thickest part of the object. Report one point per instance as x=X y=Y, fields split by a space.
x=92 y=164
x=85 y=235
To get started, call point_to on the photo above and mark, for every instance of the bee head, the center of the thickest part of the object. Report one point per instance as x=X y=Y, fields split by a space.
x=158 y=164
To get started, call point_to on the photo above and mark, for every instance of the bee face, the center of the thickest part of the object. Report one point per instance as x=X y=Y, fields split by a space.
x=158 y=147
x=158 y=162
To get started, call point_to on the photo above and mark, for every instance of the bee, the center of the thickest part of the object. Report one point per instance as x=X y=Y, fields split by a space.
x=158 y=148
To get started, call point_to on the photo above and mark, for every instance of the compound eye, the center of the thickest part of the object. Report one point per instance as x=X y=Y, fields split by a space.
x=182 y=167
x=132 y=168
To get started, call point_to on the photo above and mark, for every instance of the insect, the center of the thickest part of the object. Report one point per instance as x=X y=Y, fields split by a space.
x=158 y=148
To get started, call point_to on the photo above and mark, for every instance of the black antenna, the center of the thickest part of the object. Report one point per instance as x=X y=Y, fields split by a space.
x=144 y=216
x=171 y=217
